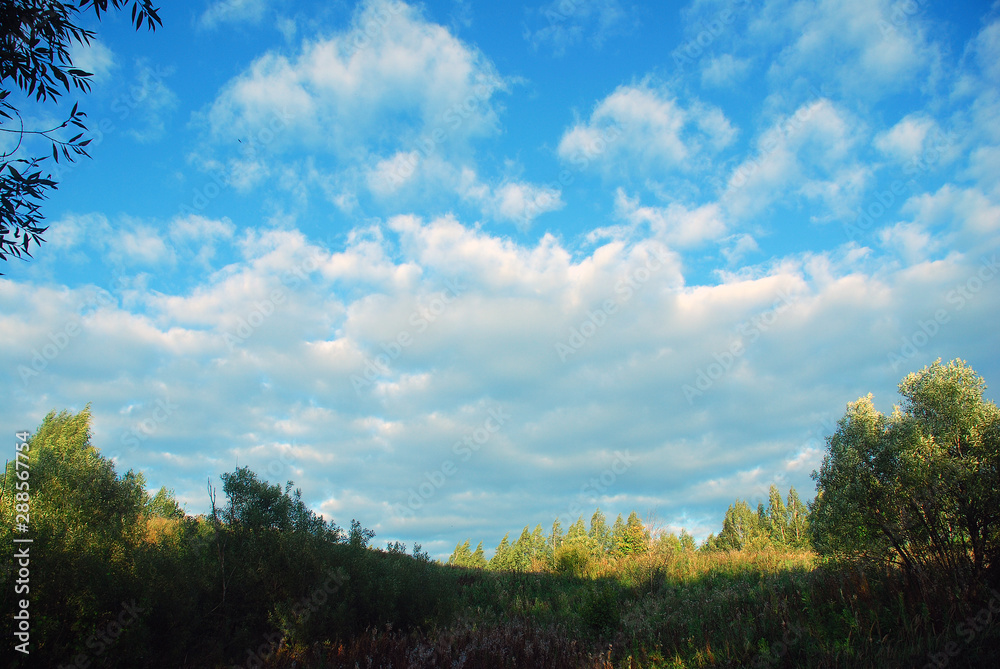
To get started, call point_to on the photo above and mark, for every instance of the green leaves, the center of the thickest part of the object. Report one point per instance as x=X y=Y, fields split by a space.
x=35 y=41
x=919 y=487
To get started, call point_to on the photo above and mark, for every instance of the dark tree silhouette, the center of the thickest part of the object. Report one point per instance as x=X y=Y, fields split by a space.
x=35 y=37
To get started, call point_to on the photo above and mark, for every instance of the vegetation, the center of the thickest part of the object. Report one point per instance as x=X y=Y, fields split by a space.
x=894 y=564
x=35 y=41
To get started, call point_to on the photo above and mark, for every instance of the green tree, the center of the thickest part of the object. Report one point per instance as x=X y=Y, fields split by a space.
x=87 y=524
x=600 y=533
x=742 y=529
x=556 y=537
x=478 y=559
x=521 y=552
x=919 y=487
x=633 y=537
x=577 y=531
x=777 y=517
x=501 y=560
x=35 y=41
x=462 y=555
x=798 y=521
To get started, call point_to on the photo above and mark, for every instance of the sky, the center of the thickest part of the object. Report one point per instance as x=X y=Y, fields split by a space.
x=458 y=267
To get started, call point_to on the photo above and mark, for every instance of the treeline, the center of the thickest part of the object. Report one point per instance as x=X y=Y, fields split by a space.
x=904 y=527
x=120 y=578
x=783 y=524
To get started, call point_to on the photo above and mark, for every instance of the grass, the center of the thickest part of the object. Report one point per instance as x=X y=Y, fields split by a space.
x=683 y=609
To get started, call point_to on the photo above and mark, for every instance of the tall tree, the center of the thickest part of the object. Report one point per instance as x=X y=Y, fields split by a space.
x=600 y=534
x=462 y=555
x=777 y=517
x=35 y=41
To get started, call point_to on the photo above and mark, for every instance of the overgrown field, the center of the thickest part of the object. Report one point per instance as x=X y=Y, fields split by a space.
x=684 y=609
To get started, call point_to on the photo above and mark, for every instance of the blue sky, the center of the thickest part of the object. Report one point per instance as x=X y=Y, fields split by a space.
x=459 y=267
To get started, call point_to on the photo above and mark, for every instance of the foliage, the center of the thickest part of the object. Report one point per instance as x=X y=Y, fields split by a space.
x=783 y=524
x=35 y=41
x=265 y=582
x=918 y=488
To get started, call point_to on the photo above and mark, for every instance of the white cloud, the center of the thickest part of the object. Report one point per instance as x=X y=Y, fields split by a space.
x=809 y=153
x=723 y=71
x=233 y=11
x=392 y=79
x=866 y=48
x=511 y=201
x=905 y=140
x=676 y=224
x=645 y=129
x=94 y=57
x=136 y=243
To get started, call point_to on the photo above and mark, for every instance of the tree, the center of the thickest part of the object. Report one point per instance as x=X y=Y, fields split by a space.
x=686 y=540
x=632 y=537
x=798 y=521
x=742 y=529
x=777 y=517
x=462 y=555
x=501 y=558
x=919 y=488
x=600 y=534
x=478 y=557
x=35 y=39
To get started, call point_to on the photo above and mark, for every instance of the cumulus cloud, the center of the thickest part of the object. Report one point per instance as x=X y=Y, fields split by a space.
x=390 y=79
x=866 y=49
x=905 y=140
x=642 y=129
x=808 y=153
